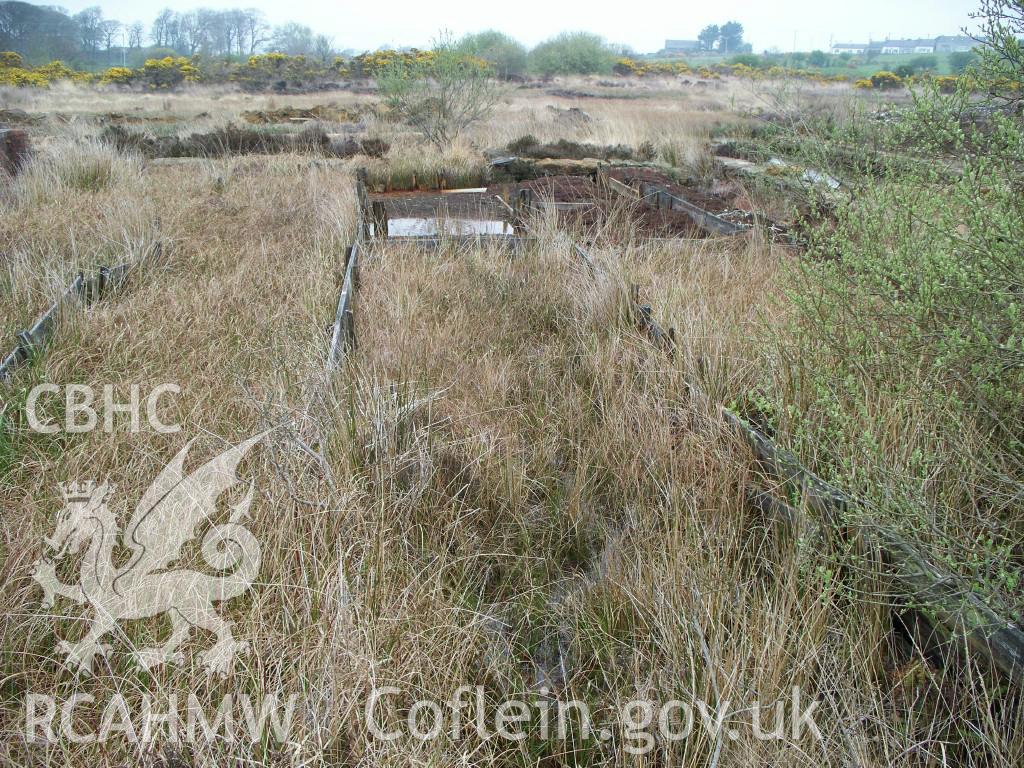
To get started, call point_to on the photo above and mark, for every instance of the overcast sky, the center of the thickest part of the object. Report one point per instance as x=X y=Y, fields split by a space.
x=644 y=26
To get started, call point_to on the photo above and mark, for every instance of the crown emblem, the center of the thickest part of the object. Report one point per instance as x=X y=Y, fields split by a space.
x=87 y=491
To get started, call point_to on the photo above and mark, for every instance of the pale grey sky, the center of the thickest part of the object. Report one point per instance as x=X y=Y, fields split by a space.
x=644 y=26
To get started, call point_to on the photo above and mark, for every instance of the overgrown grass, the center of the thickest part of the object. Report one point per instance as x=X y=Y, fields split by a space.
x=507 y=485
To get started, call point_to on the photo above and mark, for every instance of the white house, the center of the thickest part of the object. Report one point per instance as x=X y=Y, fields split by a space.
x=942 y=44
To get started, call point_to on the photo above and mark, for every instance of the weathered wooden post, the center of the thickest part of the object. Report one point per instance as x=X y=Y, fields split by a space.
x=14 y=149
x=379 y=214
x=601 y=179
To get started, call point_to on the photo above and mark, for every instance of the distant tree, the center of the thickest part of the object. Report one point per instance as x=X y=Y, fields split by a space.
x=323 y=48
x=161 y=31
x=38 y=33
x=709 y=37
x=191 y=33
x=90 y=28
x=109 y=30
x=572 y=53
x=507 y=56
x=731 y=37
x=817 y=59
x=135 y=33
x=959 y=61
x=254 y=31
x=926 y=62
x=293 y=39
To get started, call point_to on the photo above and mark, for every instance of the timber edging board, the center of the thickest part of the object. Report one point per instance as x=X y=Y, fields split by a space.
x=662 y=198
x=343 y=336
x=86 y=290
x=343 y=332
x=944 y=601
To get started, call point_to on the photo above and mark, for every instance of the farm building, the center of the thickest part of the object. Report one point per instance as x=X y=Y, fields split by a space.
x=941 y=44
x=954 y=43
x=681 y=46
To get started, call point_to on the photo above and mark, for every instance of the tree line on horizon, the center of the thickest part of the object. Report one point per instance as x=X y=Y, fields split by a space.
x=88 y=40
x=41 y=34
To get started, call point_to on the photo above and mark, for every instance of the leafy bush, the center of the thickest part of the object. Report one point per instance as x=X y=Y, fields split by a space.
x=959 y=61
x=817 y=59
x=863 y=84
x=572 y=53
x=506 y=56
x=924 y=63
x=1001 y=61
x=906 y=372
x=749 y=60
x=440 y=96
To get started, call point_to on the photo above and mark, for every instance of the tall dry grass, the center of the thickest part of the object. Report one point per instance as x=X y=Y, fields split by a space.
x=507 y=485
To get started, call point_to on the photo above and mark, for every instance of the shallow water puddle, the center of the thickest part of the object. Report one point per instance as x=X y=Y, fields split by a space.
x=426 y=227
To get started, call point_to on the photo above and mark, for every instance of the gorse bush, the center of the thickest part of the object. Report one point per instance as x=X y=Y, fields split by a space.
x=886 y=81
x=169 y=72
x=10 y=59
x=14 y=72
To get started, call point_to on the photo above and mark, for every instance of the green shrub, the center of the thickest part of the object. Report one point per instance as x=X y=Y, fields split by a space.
x=440 y=95
x=959 y=61
x=749 y=60
x=506 y=56
x=572 y=53
x=905 y=367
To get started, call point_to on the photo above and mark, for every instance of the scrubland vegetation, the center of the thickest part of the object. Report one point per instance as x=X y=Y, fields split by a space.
x=506 y=484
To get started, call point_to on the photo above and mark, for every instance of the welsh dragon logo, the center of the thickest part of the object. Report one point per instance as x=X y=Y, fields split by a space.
x=166 y=518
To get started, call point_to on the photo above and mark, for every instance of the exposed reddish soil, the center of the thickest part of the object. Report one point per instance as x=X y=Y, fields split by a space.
x=580 y=202
x=647 y=219
x=633 y=177
x=562 y=189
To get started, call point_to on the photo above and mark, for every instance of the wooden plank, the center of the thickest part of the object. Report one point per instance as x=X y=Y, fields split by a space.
x=664 y=199
x=343 y=336
x=703 y=219
x=379 y=214
x=14 y=150
x=946 y=602
x=623 y=189
x=645 y=315
x=81 y=289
